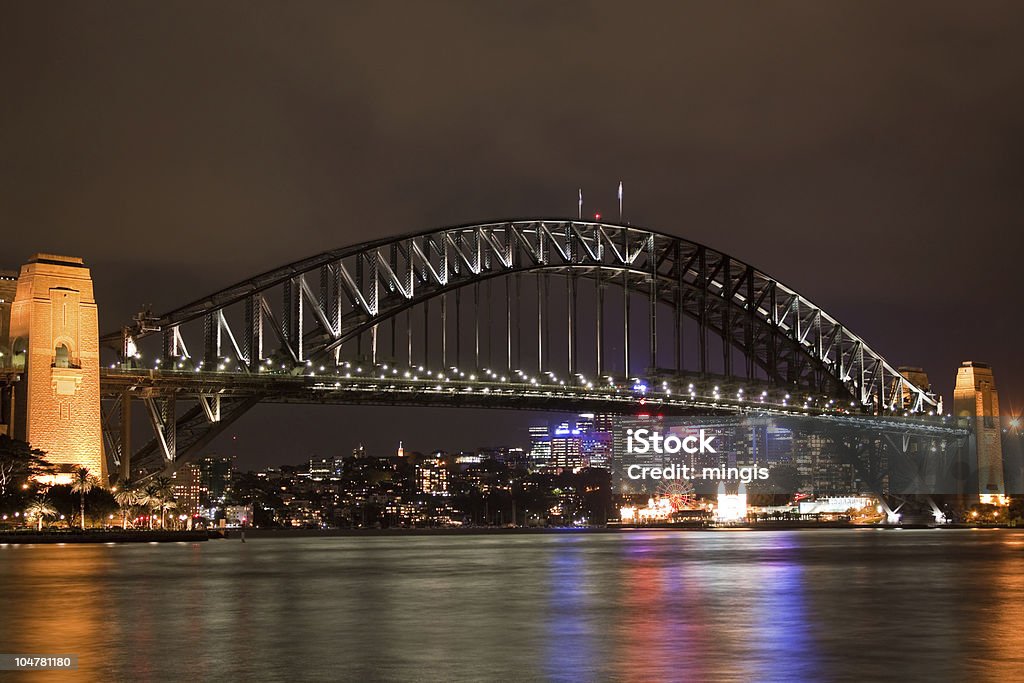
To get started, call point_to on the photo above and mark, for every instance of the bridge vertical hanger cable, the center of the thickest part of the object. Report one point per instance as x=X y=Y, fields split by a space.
x=599 y=336
x=547 y=316
x=476 y=323
x=519 y=321
x=488 y=284
x=570 y=303
x=653 y=315
x=625 y=304
x=678 y=317
x=508 y=322
x=539 y=285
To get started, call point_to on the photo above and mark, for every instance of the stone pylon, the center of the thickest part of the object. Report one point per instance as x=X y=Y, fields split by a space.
x=975 y=399
x=55 y=342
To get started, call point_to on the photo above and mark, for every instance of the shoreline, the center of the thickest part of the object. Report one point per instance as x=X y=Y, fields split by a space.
x=234 y=534
x=63 y=537
x=120 y=536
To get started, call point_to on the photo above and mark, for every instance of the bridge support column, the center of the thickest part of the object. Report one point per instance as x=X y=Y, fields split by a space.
x=54 y=320
x=126 y=437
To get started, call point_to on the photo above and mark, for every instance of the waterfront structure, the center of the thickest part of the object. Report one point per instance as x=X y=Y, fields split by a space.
x=404 y=309
x=316 y=330
x=54 y=340
x=976 y=401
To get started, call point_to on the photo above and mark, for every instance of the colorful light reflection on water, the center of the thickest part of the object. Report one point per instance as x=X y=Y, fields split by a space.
x=665 y=605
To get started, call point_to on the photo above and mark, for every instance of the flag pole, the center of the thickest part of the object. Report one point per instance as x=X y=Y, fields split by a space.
x=580 y=213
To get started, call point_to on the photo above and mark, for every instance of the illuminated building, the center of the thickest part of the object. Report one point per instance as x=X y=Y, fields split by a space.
x=657 y=510
x=596 y=431
x=540 y=447
x=732 y=507
x=324 y=468
x=215 y=474
x=238 y=515
x=54 y=332
x=566 y=448
x=516 y=458
x=836 y=505
x=432 y=477
x=976 y=401
x=187 y=489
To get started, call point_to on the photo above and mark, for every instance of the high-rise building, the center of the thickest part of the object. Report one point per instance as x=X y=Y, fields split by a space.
x=566 y=448
x=432 y=477
x=540 y=447
x=215 y=474
x=976 y=401
x=596 y=432
x=186 y=482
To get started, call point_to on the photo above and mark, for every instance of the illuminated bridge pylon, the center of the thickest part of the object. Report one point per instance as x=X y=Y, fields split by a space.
x=528 y=313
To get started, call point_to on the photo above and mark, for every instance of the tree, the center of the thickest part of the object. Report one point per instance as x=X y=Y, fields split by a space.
x=82 y=482
x=18 y=463
x=164 y=495
x=165 y=505
x=40 y=508
x=126 y=498
x=150 y=499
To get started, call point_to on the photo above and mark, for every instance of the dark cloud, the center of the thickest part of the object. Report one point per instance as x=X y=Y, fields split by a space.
x=867 y=153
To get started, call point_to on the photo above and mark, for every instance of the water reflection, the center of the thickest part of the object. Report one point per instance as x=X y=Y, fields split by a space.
x=629 y=606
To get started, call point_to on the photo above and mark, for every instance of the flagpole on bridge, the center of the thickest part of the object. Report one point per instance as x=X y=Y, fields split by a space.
x=620 y=201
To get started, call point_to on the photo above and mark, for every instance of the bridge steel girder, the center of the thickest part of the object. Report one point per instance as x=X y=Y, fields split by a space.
x=342 y=296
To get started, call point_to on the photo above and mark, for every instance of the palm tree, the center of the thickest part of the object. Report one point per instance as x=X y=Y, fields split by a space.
x=125 y=497
x=165 y=494
x=40 y=508
x=165 y=505
x=150 y=498
x=82 y=482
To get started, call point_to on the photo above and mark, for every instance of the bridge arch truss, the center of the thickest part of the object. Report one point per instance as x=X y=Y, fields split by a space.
x=567 y=301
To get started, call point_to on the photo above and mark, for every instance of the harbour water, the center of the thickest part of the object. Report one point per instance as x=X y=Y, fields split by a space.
x=632 y=606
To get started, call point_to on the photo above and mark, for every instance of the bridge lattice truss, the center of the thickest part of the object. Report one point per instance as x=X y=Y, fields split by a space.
x=573 y=310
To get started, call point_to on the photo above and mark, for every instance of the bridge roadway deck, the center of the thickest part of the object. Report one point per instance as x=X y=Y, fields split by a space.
x=427 y=391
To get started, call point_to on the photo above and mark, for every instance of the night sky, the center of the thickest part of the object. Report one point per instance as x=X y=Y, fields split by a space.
x=868 y=154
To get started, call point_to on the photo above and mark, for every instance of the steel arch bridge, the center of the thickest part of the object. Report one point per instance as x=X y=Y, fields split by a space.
x=538 y=313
